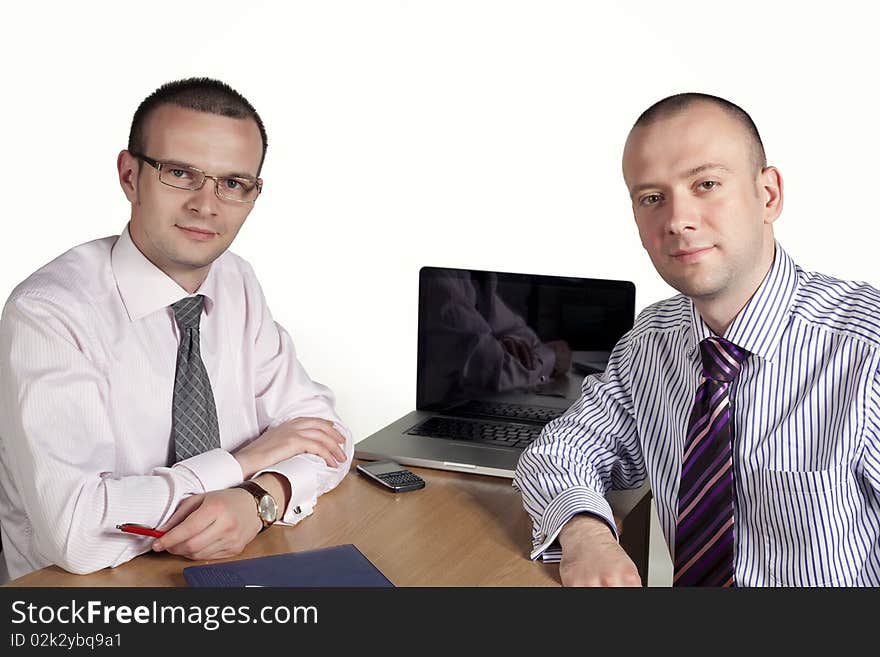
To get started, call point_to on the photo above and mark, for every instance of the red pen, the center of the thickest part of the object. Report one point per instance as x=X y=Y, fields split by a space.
x=143 y=530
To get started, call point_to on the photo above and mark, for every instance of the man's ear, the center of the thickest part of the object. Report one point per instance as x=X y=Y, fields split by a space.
x=770 y=189
x=127 y=166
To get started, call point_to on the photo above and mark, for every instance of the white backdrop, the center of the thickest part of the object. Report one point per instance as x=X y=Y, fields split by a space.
x=458 y=133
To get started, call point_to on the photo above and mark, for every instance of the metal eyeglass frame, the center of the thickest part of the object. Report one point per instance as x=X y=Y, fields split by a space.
x=157 y=165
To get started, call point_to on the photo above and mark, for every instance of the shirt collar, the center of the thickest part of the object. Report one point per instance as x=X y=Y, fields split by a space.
x=759 y=325
x=143 y=287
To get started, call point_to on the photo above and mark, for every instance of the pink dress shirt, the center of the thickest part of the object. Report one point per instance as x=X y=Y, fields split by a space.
x=88 y=345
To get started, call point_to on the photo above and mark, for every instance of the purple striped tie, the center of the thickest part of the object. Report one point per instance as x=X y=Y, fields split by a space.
x=704 y=532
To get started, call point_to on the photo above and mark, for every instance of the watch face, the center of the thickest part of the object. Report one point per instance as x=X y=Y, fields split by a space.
x=268 y=509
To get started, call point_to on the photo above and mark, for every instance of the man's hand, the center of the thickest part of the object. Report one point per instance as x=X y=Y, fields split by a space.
x=211 y=526
x=592 y=557
x=519 y=350
x=304 y=435
x=563 y=356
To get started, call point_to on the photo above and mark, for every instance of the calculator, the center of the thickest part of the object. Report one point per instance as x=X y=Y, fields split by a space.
x=391 y=475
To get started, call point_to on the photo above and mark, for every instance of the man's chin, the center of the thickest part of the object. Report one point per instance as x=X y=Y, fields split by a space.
x=190 y=262
x=695 y=288
x=198 y=258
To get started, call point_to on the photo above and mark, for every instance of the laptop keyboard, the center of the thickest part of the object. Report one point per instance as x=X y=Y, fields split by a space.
x=478 y=431
x=512 y=411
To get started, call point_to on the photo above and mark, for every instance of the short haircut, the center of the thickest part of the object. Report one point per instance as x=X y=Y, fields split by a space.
x=200 y=94
x=679 y=102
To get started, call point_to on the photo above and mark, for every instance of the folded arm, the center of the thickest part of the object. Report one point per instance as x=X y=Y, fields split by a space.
x=565 y=474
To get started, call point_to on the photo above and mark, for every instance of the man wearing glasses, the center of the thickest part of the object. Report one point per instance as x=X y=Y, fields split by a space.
x=143 y=379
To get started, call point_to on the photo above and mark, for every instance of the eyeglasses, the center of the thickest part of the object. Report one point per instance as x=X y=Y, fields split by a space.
x=240 y=189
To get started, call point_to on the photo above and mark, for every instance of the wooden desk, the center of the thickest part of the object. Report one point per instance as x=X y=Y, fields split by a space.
x=460 y=530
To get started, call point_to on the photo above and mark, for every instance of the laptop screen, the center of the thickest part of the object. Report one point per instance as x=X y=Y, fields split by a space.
x=491 y=339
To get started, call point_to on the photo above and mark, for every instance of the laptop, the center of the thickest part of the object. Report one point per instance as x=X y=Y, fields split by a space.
x=499 y=356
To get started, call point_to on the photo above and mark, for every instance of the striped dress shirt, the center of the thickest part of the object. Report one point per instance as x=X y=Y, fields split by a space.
x=806 y=447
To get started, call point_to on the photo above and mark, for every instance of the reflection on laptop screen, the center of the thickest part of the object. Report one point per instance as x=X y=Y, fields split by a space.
x=512 y=344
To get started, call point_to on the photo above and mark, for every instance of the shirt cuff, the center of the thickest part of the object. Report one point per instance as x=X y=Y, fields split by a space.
x=215 y=469
x=560 y=510
x=547 y=359
x=300 y=474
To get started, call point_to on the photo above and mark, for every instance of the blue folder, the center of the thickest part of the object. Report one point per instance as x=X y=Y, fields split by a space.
x=339 y=566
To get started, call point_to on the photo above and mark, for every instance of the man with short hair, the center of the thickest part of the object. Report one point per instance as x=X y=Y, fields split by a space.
x=751 y=401
x=142 y=378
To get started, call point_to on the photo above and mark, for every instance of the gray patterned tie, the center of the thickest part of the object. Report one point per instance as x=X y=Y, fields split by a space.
x=194 y=424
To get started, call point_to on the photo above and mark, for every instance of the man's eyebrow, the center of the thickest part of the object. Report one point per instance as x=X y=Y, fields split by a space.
x=639 y=188
x=690 y=173
x=221 y=175
x=178 y=163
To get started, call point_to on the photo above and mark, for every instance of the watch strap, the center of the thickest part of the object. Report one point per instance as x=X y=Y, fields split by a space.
x=258 y=493
x=253 y=488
